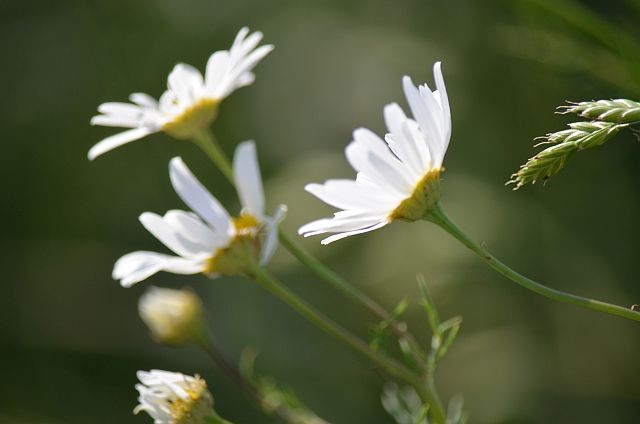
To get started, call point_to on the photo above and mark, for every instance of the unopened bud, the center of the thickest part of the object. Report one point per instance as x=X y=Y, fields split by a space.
x=173 y=316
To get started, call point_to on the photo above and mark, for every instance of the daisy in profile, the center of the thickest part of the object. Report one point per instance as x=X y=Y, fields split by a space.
x=190 y=102
x=209 y=241
x=398 y=177
x=174 y=398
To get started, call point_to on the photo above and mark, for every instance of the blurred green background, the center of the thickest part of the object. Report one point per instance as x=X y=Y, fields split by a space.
x=71 y=338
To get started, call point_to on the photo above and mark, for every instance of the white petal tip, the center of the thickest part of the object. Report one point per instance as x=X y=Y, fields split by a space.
x=176 y=162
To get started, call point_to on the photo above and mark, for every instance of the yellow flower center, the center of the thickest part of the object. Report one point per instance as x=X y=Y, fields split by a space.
x=425 y=197
x=196 y=117
x=195 y=407
x=245 y=222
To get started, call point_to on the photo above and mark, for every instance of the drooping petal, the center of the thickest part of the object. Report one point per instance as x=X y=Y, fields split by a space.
x=193 y=193
x=337 y=237
x=246 y=172
x=118 y=140
x=347 y=194
x=116 y=121
x=137 y=266
x=339 y=224
x=121 y=110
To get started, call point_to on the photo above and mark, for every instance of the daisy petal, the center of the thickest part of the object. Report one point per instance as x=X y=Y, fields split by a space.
x=172 y=237
x=118 y=140
x=270 y=243
x=248 y=181
x=186 y=82
x=137 y=266
x=337 y=237
x=193 y=193
x=144 y=100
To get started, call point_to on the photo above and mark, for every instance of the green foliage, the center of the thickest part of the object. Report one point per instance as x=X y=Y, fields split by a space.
x=403 y=403
x=274 y=399
x=616 y=111
x=443 y=334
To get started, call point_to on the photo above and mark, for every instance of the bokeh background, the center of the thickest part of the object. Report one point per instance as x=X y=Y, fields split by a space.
x=71 y=339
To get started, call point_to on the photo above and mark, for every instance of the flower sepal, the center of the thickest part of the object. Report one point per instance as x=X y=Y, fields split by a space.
x=422 y=201
x=194 y=119
x=236 y=259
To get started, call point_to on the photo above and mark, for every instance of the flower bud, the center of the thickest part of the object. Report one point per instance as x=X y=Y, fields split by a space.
x=173 y=316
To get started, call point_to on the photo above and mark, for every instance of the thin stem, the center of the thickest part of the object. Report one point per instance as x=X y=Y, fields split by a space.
x=230 y=370
x=281 y=413
x=209 y=144
x=438 y=217
x=392 y=367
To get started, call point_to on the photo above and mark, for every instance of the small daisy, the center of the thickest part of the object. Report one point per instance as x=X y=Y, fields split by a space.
x=208 y=241
x=398 y=177
x=173 y=398
x=191 y=100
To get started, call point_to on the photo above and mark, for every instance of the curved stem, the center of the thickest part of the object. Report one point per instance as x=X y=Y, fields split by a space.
x=438 y=217
x=209 y=144
x=392 y=367
x=227 y=368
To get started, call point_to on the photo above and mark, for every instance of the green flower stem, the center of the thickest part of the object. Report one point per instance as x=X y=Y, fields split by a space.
x=227 y=368
x=231 y=371
x=438 y=217
x=215 y=419
x=391 y=366
x=209 y=144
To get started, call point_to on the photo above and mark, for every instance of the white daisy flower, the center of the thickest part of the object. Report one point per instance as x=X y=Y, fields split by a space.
x=398 y=177
x=191 y=100
x=173 y=316
x=208 y=241
x=173 y=398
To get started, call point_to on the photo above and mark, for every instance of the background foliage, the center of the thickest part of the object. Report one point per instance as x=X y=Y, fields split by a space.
x=71 y=337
